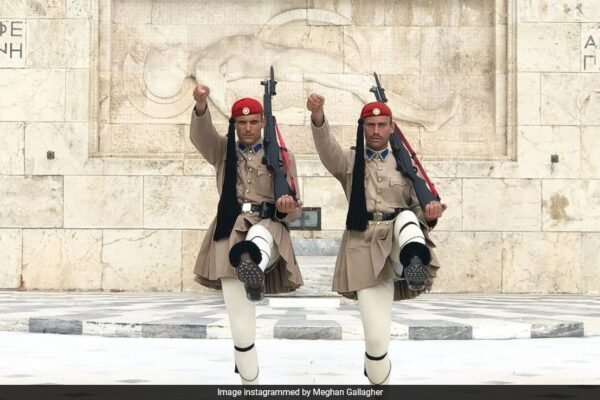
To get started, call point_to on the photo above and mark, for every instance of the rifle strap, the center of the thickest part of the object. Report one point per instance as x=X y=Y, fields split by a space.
x=414 y=157
x=285 y=156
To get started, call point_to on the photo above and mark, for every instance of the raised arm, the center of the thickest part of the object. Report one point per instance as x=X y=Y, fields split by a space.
x=202 y=131
x=330 y=152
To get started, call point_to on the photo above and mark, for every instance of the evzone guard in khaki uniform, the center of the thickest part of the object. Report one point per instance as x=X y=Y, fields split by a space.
x=385 y=253
x=247 y=250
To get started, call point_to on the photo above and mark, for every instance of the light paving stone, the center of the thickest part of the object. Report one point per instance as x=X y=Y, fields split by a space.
x=58 y=43
x=31 y=201
x=103 y=201
x=36 y=95
x=222 y=331
x=590 y=152
x=497 y=329
x=156 y=265
x=265 y=329
x=179 y=202
x=591 y=257
x=548 y=47
x=539 y=262
x=68 y=142
x=471 y=262
x=78 y=95
x=111 y=329
x=501 y=212
x=62 y=259
x=32 y=9
x=571 y=205
x=334 y=205
x=14 y=324
x=529 y=98
x=356 y=332
x=570 y=99
x=538 y=143
x=399 y=331
x=139 y=166
x=12 y=148
x=11 y=248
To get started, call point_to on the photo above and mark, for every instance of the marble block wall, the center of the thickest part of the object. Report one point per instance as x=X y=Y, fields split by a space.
x=101 y=189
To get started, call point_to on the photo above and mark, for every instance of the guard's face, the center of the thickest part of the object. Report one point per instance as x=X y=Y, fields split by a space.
x=248 y=128
x=377 y=131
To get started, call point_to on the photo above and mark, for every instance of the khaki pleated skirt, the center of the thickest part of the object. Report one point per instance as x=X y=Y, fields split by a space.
x=363 y=259
x=213 y=264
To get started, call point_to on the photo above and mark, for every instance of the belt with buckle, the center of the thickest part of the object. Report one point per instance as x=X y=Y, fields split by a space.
x=381 y=216
x=264 y=210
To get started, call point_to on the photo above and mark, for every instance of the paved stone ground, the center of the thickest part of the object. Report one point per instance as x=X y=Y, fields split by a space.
x=203 y=316
x=29 y=358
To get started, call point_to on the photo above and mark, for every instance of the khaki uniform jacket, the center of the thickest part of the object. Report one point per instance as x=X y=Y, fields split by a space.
x=363 y=258
x=254 y=185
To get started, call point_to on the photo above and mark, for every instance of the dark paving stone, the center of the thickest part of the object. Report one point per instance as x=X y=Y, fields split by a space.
x=42 y=325
x=307 y=330
x=436 y=330
x=174 y=331
x=554 y=330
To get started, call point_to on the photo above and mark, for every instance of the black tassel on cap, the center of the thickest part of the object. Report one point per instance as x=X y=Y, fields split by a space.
x=357 y=219
x=229 y=208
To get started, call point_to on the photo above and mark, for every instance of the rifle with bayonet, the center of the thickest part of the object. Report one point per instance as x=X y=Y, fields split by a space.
x=405 y=155
x=274 y=151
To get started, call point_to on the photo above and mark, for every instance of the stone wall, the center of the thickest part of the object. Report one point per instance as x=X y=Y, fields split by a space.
x=101 y=188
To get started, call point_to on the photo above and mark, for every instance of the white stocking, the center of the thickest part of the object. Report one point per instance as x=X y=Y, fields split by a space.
x=242 y=320
x=375 y=304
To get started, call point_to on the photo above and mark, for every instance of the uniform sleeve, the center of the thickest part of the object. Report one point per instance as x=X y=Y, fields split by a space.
x=206 y=139
x=333 y=157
